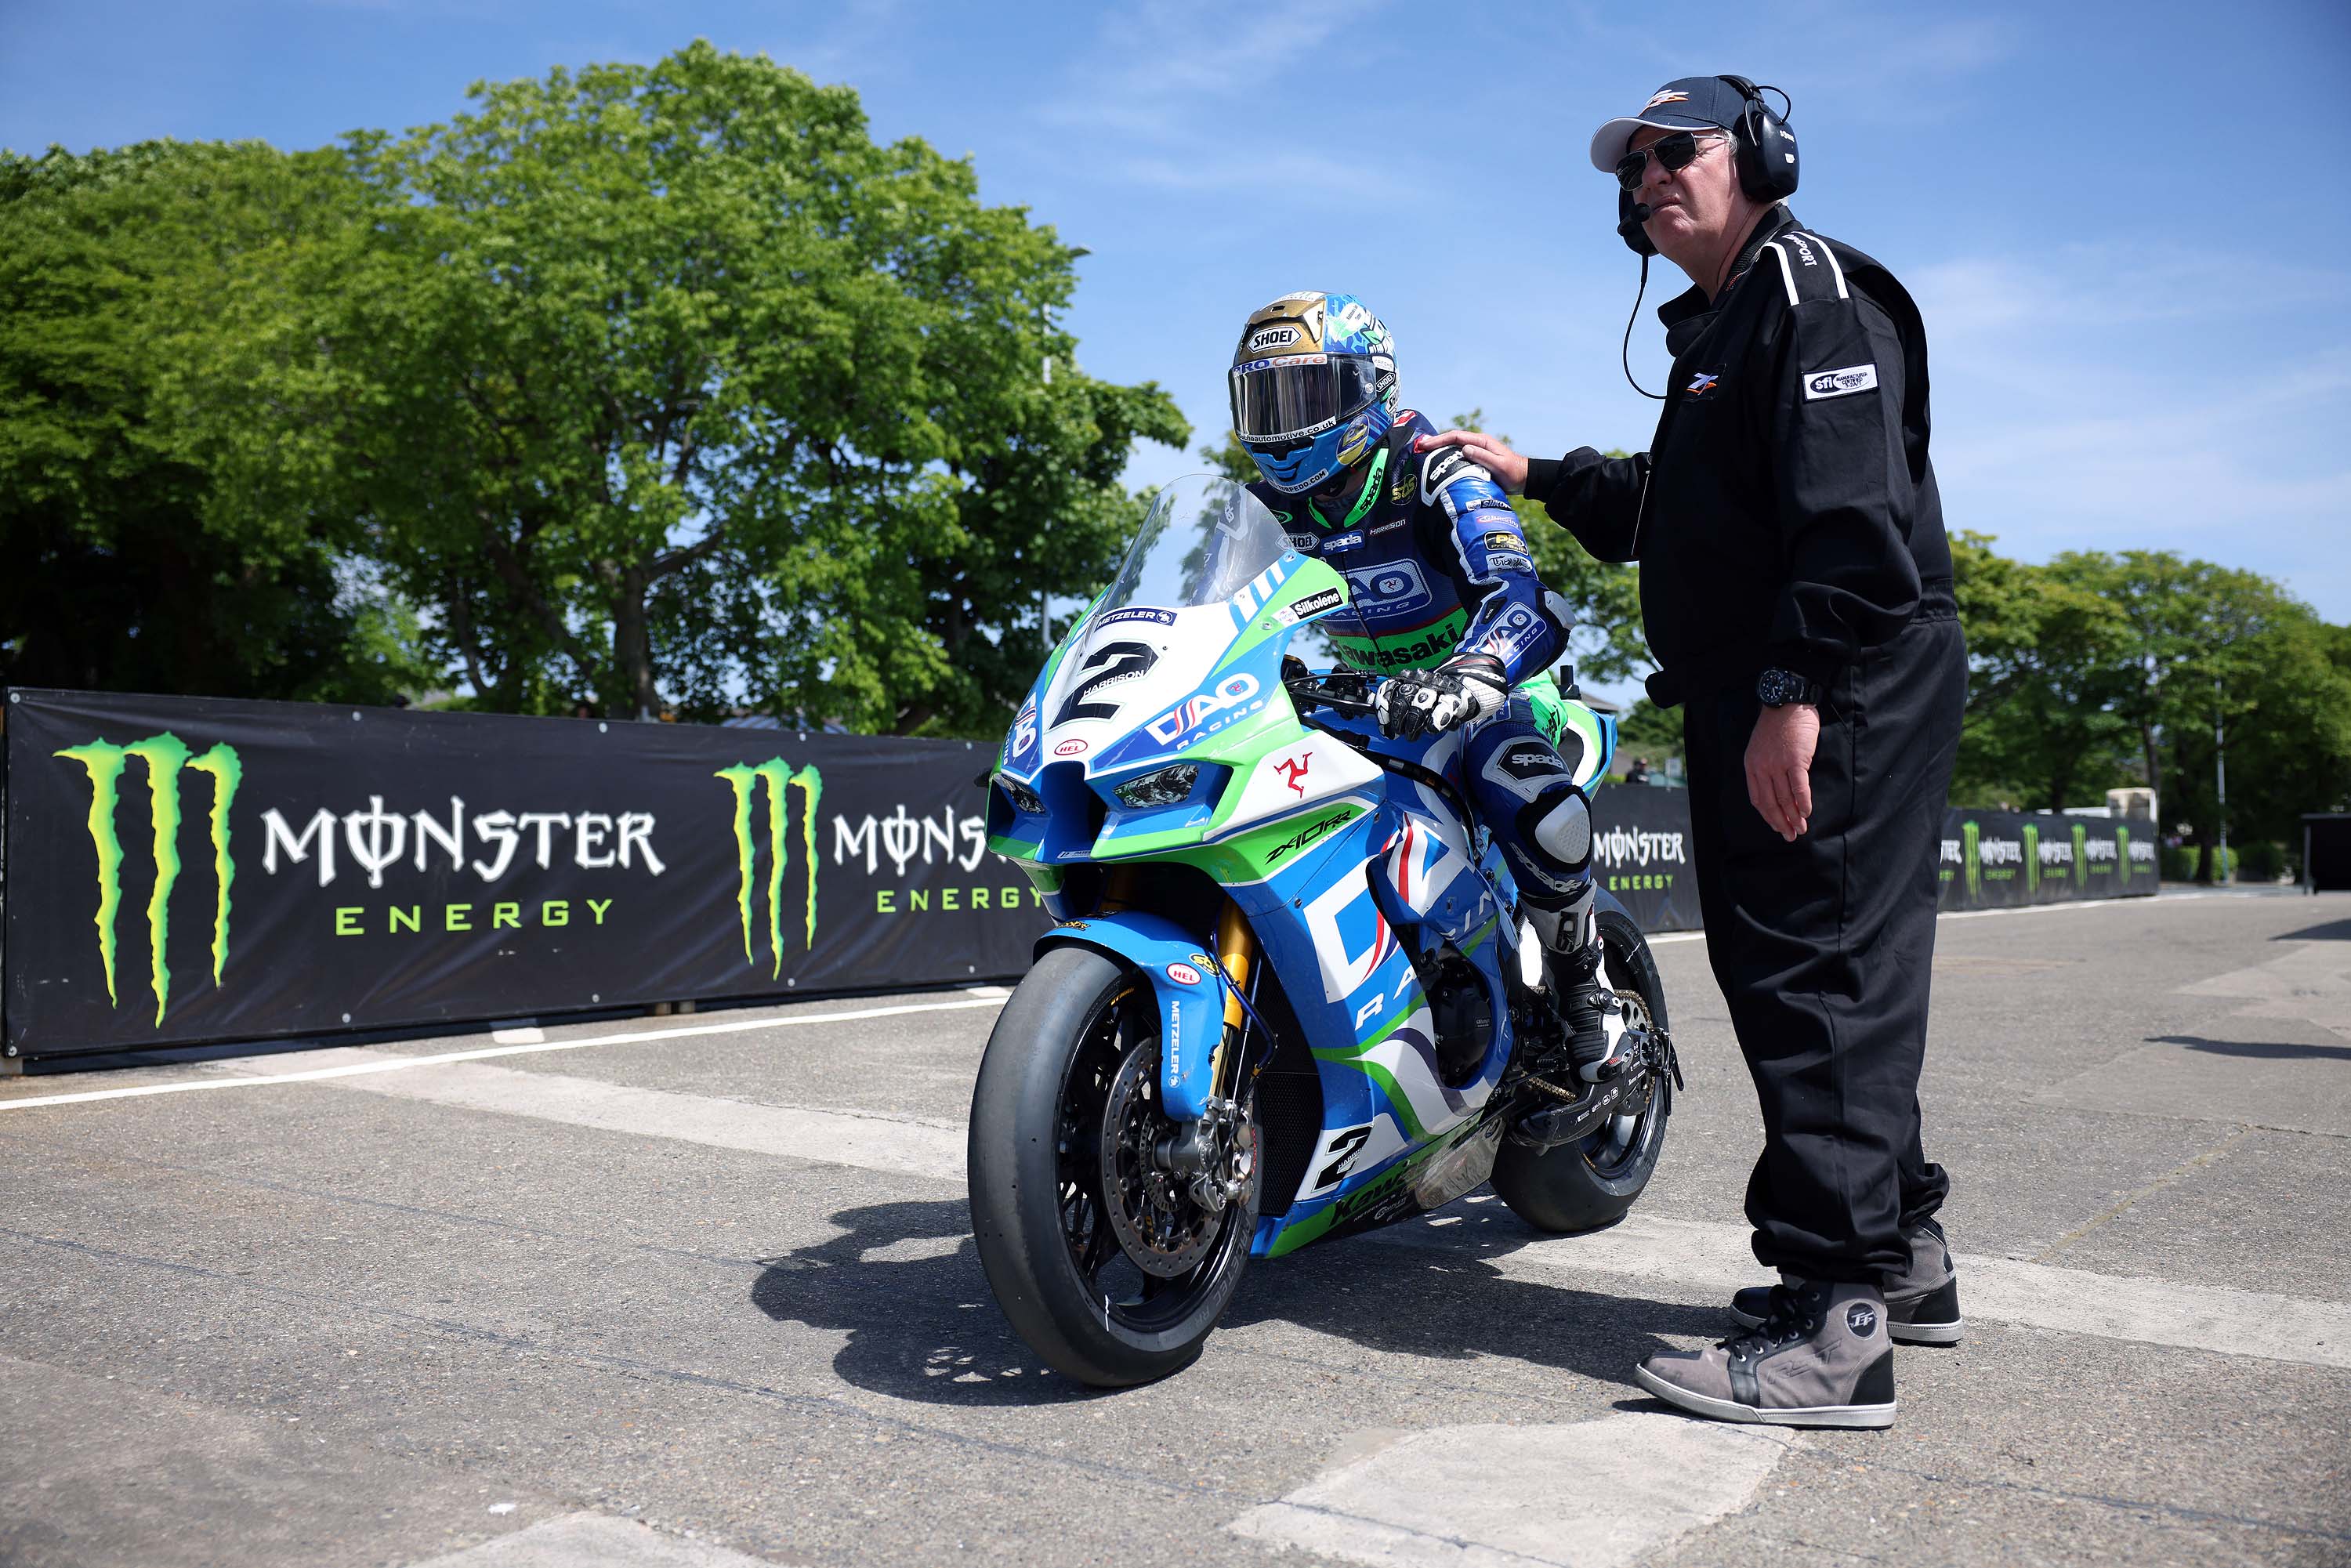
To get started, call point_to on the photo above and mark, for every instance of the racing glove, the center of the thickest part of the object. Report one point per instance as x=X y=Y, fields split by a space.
x=1462 y=690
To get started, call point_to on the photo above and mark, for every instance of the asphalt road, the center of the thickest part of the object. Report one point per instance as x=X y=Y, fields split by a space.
x=700 y=1291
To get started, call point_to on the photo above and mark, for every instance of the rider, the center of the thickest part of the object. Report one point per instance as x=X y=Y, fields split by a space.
x=1446 y=600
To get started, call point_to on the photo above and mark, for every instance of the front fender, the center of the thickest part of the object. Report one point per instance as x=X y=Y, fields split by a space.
x=1191 y=1012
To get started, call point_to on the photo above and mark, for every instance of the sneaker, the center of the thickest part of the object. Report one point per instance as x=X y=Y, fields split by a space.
x=1821 y=1360
x=1922 y=1303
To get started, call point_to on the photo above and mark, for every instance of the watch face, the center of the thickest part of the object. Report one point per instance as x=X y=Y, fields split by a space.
x=1779 y=687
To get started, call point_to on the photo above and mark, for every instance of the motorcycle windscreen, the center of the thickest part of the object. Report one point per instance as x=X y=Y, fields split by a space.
x=1203 y=540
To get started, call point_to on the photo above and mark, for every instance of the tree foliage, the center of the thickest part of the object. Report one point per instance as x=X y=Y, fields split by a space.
x=128 y=560
x=661 y=388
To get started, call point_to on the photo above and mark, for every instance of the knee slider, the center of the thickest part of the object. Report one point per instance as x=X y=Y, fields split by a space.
x=1563 y=828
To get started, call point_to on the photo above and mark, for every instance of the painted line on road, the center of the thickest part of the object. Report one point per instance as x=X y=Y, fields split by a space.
x=574 y=1540
x=1678 y=1255
x=2144 y=902
x=382 y=1061
x=902 y=1146
x=1685 y=1255
x=1598 y=1494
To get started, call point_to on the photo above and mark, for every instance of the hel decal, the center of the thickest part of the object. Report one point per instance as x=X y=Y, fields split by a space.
x=1184 y=974
x=1070 y=749
x=1840 y=384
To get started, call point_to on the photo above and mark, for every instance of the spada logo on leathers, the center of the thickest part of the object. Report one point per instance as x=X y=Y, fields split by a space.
x=165 y=756
x=779 y=778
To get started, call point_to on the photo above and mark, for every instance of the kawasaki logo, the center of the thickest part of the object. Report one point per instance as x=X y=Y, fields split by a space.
x=163 y=757
x=744 y=779
x=1306 y=836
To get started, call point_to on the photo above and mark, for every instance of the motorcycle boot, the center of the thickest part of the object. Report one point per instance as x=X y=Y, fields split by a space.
x=1585 y=1000
x=1922 y=1301
x=1822 y=1359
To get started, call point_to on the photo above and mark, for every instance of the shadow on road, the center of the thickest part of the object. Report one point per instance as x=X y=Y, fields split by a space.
x=2265 y=1050
x=2332 y=931
x=903 y=1281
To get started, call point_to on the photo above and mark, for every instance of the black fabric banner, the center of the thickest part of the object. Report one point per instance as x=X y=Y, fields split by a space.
x=1640 y=853
x=1995 y=860
x=183 y=870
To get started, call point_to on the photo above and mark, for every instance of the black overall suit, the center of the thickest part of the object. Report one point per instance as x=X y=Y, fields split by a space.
x=1786 y=516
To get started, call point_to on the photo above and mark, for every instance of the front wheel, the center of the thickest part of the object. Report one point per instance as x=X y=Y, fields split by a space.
x=1107 y=1269
x=1594 y=1182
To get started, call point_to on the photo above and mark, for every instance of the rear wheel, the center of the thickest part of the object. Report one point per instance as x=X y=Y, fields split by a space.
x=1104 y=1263
x=1594 y=1182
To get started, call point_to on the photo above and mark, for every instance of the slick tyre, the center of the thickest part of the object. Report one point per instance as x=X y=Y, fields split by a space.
x=1594 y=1182
x=1039 y=1201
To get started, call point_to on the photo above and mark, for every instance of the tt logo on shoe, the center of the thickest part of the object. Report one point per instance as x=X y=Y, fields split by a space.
x=1861 y=1318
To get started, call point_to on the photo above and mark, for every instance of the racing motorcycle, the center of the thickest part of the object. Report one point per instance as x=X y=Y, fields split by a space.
x=1288 y=996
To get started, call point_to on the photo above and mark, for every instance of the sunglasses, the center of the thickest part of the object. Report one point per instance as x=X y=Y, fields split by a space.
x=1677 y=151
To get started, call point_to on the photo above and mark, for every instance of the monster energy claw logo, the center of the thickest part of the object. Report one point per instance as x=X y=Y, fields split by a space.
x=163 y=757
x=744 y=780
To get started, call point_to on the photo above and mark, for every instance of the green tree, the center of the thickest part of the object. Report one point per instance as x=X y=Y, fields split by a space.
x=128 y=561
x=665 y=386
x=2045 y=662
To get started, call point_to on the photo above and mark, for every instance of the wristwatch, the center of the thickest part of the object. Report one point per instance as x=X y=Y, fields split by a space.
x=1778 y=688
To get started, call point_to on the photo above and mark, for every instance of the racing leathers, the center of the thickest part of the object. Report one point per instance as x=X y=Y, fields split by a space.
x=1439 y=577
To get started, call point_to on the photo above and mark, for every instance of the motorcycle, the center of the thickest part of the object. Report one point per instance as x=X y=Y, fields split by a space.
x=1288 y=997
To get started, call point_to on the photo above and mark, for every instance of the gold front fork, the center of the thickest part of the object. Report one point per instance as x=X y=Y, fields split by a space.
x=1236 y=949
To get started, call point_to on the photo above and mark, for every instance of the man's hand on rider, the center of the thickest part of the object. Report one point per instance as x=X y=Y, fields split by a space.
x=1462 y=690
x=1780 y=767
x=1508 y=469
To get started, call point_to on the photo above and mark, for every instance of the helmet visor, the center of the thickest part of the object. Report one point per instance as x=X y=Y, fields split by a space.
x=1299 y=395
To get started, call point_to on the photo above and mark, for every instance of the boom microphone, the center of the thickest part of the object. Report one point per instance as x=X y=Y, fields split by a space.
x=1633 y=222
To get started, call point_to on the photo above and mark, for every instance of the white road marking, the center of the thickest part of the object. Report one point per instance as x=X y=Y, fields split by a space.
x=2309 y=982
x=1596 y=1494
x=529 y=1034
x=1673 y=1256
x=581 y=1540
x=2142 y=900
x=387 y=1063
x=1684 y=1255
x=902 y=1146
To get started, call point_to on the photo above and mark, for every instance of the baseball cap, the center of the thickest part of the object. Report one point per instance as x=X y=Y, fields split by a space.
x=1692 y=103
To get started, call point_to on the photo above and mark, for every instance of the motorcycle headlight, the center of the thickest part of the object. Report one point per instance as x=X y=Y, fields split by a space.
x=1022 y=797
x=1164 y=788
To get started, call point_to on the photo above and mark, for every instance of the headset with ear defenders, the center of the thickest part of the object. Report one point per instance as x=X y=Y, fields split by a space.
x=1764 y=152
x=1763 y=147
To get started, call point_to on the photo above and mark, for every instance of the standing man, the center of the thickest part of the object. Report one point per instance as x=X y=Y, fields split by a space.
x=1796 y=591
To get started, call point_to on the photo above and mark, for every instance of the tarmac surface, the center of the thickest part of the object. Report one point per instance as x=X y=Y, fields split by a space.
x=701 y=1291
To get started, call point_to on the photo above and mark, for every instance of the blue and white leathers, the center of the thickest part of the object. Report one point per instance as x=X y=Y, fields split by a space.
x=1436 y=565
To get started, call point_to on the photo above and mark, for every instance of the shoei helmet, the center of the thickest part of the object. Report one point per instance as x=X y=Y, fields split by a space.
x=1313 y=388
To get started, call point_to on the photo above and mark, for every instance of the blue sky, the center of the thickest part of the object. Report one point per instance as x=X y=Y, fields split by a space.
x=2126 y=224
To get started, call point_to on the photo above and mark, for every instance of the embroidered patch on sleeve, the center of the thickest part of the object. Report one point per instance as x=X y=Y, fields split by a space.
x=1840 y=384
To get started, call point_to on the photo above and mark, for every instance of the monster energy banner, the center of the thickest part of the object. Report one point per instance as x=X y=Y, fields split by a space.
x=190 y=869
x=1641 y=853
x=1992 y=859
